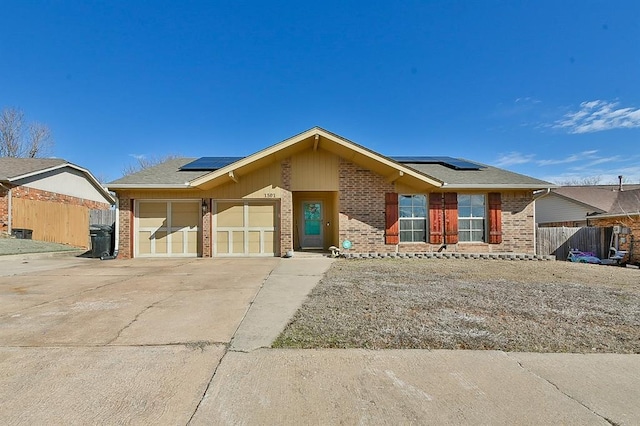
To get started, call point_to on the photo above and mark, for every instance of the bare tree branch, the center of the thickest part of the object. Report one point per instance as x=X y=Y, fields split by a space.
x=584 y=181
x=37 y=142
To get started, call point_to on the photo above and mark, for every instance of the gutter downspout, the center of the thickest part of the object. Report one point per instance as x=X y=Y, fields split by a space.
x=9 y=217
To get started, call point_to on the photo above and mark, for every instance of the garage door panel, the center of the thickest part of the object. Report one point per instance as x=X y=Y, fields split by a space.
x=166 y=228
x=184 y=215
x=245 y=228
x=269 y=242
x=261 y=216
x=177 y=242
x=230 y=215
x=152 y=215
x=161 y=242
x=222 y=242
x=237 y=242
x=144 y=242
x=254 y=242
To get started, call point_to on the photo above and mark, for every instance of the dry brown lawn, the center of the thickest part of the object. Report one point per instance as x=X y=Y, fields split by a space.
x=504 y=305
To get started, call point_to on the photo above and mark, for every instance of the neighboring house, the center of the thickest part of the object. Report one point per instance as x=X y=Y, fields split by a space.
x=595 y=205
x=50 y=198
x=318 y=189
x=573 y=205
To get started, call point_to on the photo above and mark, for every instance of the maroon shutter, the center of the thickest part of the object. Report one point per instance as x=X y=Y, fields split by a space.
x=435 y=218
x=451 y=217
x=391 y=218
x=495 y=218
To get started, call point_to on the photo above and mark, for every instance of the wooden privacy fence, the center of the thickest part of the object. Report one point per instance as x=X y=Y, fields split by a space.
x=558 y=241
x=53 y=222
x=102 y=217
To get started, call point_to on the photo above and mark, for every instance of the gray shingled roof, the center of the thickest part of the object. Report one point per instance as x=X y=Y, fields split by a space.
x=600 y=198
x=166 y=173
x=11 y=168
x=627 y=202
x=489 y=176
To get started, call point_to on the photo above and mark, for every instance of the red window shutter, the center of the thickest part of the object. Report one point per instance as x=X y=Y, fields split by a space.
x=435 y=218
x=391 y=218
x=495 y=218
x=451 y=217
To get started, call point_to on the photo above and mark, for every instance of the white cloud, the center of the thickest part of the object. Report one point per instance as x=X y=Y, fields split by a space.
x=138 y=156
x=513 y=158
x=596 y=116
x=581 y=156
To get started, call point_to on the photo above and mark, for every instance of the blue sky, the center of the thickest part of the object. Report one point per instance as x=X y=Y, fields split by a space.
x=546 y=88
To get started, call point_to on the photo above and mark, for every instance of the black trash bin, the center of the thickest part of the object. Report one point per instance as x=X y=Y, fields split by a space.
x=101 y=240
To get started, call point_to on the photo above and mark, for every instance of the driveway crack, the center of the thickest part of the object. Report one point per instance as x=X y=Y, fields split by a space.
x=145 y=309
x=571 y=397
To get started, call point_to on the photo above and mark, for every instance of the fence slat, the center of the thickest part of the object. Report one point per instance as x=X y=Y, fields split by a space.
x=559 y=240
x=102 y=217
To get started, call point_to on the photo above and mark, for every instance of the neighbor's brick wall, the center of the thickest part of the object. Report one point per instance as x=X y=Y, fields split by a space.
x=4 y=208
x=632 y=243
x=125 y=215
x=286 y=208
x=24 y=192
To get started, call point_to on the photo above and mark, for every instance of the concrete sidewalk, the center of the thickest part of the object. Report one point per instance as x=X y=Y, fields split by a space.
x=397 y=387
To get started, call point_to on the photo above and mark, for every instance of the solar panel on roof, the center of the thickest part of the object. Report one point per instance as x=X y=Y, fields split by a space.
x=454 y=163
x=209 y=163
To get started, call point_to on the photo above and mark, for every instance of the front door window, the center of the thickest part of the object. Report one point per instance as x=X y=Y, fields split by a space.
x=312 y=225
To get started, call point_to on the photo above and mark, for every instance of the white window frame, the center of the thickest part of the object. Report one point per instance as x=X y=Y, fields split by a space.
x=412 y=219
x=473 y=219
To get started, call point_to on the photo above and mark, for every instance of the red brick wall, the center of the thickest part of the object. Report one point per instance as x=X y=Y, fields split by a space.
x=632 y=240
x=362 y=208
x=286 y=208
x=125 y=217
x=206 y=231
x=4 y=208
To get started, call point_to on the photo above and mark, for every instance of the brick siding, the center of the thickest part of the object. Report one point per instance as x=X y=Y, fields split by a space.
x=125 y=215
x=632 y=241
x=286 y=208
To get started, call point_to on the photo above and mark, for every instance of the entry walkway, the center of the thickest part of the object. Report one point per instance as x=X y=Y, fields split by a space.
x=277 y=301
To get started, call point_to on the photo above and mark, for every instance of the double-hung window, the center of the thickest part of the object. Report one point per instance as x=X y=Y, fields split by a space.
x=471 y=217
x=413 y=218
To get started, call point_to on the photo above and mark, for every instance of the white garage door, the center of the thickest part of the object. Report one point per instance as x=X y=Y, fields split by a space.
x=167 y=228
x=243 y=228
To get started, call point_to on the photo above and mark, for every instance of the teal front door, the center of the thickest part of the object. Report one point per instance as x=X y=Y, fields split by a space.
x=312 y=230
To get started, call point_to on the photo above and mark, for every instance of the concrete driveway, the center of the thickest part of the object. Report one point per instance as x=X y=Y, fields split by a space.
x=85 y=342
